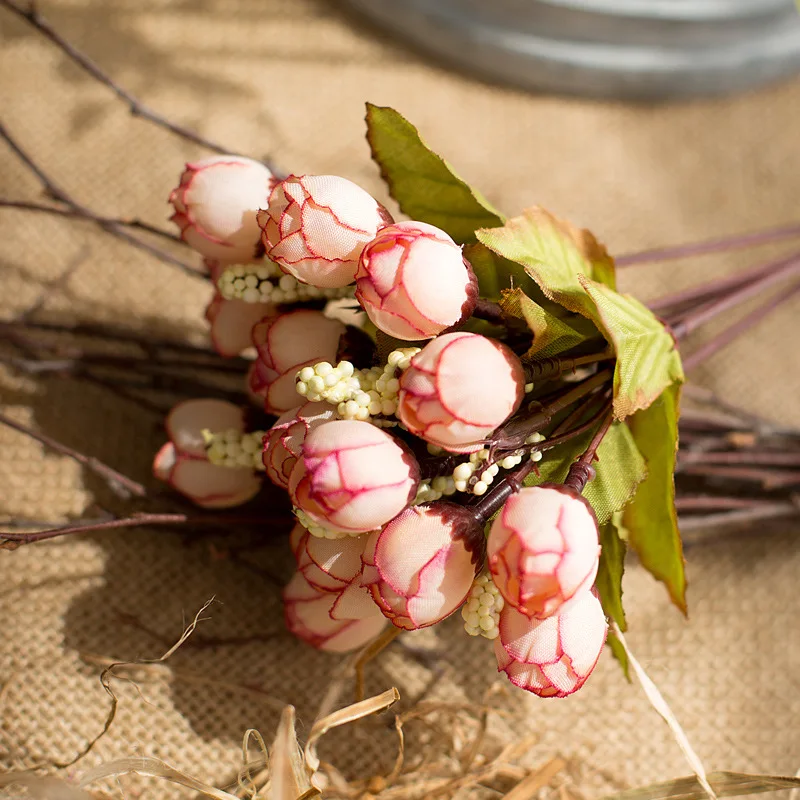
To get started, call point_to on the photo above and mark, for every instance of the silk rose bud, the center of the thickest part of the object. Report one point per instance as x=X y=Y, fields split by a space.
x=421 y=566
x=543 y=549
x=308 y=616
x=353 y=477
x=329 y=565
x=458 y=389
x=552 y=657
x=283 y=443
x=316 y=226
x=232 y=323
x=216 y=204
x=286 y=343
x=413 y=281
x=183 y=462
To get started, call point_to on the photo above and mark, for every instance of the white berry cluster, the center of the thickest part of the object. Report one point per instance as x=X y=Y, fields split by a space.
x=265 y=283
x=232 y=448
x=357 y=394
x=481 y=612
x=535 y=438
x=435 y=489
x=320 y=531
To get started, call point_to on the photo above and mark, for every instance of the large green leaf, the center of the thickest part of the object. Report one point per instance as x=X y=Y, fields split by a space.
x=552 y=335
x=647 y=358
x=609 y=583
x=423 y=184
x=650 y=518
x=555 y=254
x=724 y=784
x=620 y=469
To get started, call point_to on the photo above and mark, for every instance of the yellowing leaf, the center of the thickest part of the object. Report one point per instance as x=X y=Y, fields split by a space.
x=555 y=254
x=650 y=518
x=423 y=184
x=551 y=334
x=647 y=358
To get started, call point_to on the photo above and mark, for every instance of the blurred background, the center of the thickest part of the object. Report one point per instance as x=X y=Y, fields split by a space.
x=286 y=80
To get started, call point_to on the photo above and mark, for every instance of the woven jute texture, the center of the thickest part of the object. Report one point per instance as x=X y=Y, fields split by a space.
x=286 y=80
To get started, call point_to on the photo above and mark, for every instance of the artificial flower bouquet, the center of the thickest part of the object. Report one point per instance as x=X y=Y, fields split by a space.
x=464 y=412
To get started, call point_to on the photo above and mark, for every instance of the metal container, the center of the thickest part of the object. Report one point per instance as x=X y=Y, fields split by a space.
x=633 y=49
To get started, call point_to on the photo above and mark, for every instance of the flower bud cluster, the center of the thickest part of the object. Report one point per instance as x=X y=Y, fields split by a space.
x=481 y=612
x=264 y=282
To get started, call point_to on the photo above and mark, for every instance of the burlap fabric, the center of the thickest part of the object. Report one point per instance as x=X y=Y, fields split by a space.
x=287 y=80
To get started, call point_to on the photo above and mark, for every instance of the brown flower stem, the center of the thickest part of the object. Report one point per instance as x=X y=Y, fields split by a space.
x=514 y=433
x=113 y=228
x=548 y=368
x=70 y=212
x=582 y=471
x=755 y=457
x=743 y=516
x=734 y=331
x=9 y=540
x=768 y=479
x=121 y=484
x=100 y=331
x=137 y=109
x=694 y=320
x=492 y=502
x=139 y=363
x=716 y=287
x=706 y=502
x=719 y=245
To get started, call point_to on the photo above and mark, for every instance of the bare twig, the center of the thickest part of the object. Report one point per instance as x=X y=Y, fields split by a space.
x=24 y=205
x=742 y=326
x=697 y=318
x=715 y=288
x=740 y=516
x=721 y=245
x=137 y=109
x=134 y=521
x=121 y=484
x=114 y=228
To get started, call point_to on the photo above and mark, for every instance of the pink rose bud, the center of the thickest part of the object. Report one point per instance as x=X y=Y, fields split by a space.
x=413 y=281
x=552 y=657
x=308 y=616
x=216 y=204
x=329 y=565
x=420 y=567
x=543 y=549
x=232 y=323
x=182 y=462
x=353 y=477
x=316 y=226
x=283 y=443
x=458 y=389
x=285 y=344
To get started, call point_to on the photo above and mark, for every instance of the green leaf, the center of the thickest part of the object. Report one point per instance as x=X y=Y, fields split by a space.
x=647 y=358
x=618 y=651
x=724 y=784
x=650 y=518
x=552 y=335
x=423 y=184
x=555 y=254
x=620 y=469
x=609 y=583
